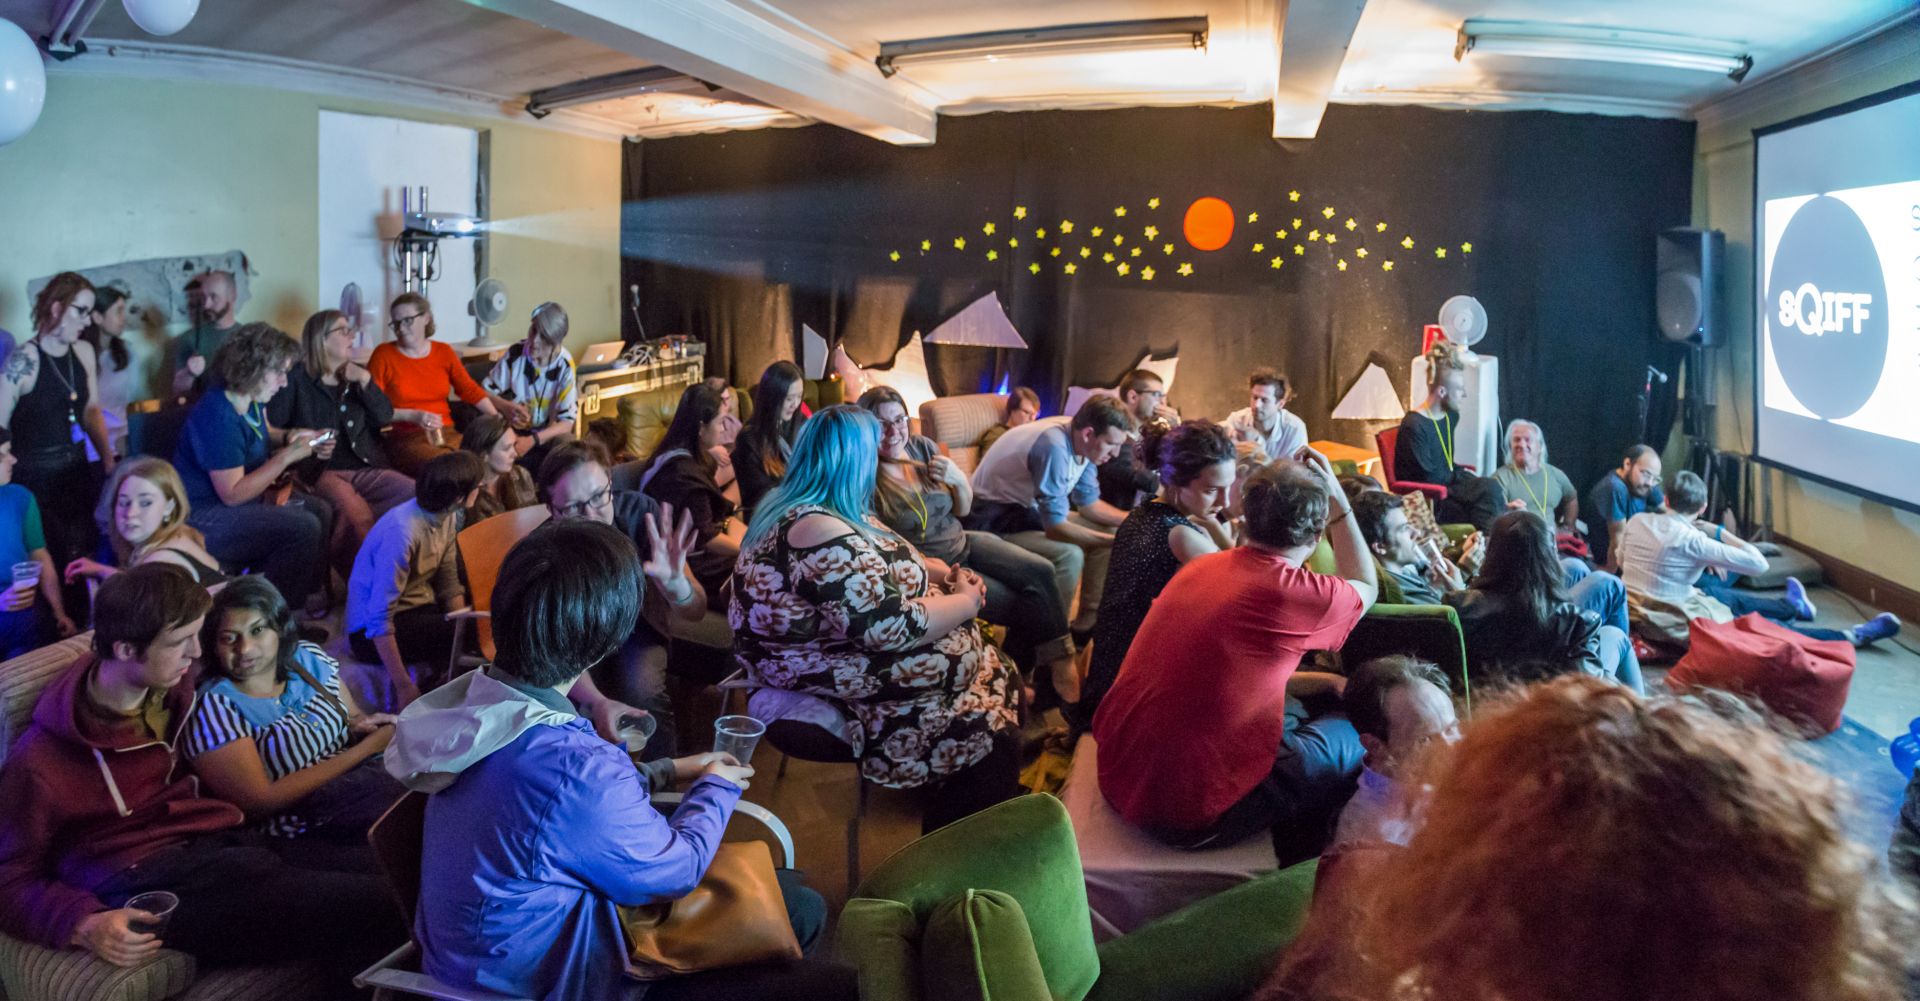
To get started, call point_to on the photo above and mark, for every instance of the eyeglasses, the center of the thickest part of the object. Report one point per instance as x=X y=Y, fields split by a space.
x=580 y=507
x=890 y=421
x=400 y=323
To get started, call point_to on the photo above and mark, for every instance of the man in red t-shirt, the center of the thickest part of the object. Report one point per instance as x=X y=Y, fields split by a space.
x=1205 y=737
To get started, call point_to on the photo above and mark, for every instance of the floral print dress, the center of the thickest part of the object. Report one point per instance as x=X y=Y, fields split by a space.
x=847 y=620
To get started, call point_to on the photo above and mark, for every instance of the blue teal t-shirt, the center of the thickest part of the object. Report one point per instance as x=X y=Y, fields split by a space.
x=1612 y=500
x=20 y=530
x=218 y=437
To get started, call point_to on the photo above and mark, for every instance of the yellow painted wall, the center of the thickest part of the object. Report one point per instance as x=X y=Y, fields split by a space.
x=125 y=169
x=1872 y=536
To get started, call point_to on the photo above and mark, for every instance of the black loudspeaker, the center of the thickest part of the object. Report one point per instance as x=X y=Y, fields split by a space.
x=1686 y=291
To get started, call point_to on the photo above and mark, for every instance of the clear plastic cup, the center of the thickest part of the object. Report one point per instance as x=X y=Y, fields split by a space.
x=635 y=729
x=26 y=572
x=158 y=903
x=738 y=736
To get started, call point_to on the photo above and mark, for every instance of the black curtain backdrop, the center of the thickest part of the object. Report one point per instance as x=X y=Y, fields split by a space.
x=738 y=238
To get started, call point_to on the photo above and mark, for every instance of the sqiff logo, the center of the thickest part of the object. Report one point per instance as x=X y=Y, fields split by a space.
x=1827 y=323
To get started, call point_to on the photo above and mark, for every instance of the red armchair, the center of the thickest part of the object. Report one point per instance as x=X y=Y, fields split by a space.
x=1384 y=442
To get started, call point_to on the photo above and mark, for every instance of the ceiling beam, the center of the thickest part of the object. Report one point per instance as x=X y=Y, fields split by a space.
x=719 y=42
x=1314 y=36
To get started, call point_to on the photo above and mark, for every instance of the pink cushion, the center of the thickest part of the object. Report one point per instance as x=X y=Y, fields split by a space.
x=1804 y=680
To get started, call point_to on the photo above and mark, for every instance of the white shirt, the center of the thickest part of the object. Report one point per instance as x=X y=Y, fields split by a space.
x=1662 y=555
x=1288 y=436
x=1035 y=465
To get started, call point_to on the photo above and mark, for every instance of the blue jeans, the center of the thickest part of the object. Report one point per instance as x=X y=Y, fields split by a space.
x=1595 y=591
x=1021 y=595
x=1617 y=656
x=1778 y=609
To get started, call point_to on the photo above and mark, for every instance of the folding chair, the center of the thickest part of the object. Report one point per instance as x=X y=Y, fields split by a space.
x=483 y=547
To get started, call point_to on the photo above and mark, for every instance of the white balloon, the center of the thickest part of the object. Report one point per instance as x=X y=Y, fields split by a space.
x=161 y=17
x=23 y=82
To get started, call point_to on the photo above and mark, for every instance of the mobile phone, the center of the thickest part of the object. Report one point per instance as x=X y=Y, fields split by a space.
x=323 y=437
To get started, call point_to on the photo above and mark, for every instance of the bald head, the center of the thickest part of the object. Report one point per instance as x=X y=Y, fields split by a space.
x=217 y=297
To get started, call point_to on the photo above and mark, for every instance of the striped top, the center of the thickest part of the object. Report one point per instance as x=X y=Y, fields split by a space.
x=295 y=730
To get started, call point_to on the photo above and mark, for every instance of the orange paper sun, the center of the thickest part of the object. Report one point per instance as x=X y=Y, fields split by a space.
x=1209 y=224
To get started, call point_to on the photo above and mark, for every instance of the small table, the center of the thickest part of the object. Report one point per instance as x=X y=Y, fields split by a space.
x=1363 y=459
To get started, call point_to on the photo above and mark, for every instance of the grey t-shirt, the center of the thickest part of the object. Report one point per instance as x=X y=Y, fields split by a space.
x=1547 y=486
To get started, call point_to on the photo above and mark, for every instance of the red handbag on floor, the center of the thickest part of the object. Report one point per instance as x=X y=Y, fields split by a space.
x=1802 y=679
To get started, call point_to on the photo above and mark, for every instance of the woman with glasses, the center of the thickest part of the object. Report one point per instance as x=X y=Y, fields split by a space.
x=49 y=399
x=227 y=459
x=922 y=496
x=328 y=391
x=417 y=373
x=680 y=473
x=829 y=602
x=533 y=385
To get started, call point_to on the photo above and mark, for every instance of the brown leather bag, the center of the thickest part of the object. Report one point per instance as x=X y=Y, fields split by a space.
x=736 y=916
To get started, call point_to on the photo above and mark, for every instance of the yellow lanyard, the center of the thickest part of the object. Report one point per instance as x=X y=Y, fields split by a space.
x=1443 y=427
x=1538 y=501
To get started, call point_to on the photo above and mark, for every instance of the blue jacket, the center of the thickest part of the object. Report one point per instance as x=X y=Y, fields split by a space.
x=536 y=830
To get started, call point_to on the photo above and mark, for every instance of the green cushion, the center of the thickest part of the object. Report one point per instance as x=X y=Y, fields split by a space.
x=880 y=939
x=1218 y=949
x=977 y=947
x=1428 y=631
x=1024 y=848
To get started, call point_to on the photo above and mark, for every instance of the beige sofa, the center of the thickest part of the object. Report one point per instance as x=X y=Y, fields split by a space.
x=958 y=422
x=30 y=972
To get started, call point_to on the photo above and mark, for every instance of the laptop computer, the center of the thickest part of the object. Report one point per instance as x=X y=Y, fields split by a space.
x=602 y=354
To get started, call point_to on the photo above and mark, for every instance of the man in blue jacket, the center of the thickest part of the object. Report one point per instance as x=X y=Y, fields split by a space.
x=537 y=829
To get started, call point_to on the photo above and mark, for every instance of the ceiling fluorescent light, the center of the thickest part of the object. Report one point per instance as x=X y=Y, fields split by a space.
x=626 y=83
x=1608 y=45
x=1159 y=32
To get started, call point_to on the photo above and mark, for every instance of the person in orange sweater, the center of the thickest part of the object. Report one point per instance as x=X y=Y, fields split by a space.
x=417 y=373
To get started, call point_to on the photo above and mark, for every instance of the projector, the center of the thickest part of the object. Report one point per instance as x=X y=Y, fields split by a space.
x=438 y=224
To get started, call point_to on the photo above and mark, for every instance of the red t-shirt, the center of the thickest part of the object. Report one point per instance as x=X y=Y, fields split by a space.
x=1194 y=719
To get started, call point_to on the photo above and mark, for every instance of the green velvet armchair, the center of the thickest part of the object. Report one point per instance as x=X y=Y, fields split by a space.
x=995 y=907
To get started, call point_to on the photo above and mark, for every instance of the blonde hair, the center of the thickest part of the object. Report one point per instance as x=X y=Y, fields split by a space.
x=1444 y=357
x=417 y=301
x=173 y=526
x=313 y=342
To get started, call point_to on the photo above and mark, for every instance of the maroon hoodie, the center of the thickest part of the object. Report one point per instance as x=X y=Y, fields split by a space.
x=84 y=800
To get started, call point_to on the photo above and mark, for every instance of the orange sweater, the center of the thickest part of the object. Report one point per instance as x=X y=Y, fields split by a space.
x=423 y=383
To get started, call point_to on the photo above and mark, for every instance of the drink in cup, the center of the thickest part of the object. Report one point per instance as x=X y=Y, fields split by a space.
x=738 y=736
x=26 y=578
x=635 y=729
x=158 y=903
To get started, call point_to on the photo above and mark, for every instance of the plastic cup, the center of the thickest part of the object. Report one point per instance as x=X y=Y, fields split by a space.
x=635 y=729
x=27 y=573
x=158 y=903
x=738 y=736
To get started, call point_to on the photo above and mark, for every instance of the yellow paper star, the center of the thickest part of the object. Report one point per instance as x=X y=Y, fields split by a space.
x=1098 y=230
x=1333 y=238
x=1146 y=273
x=1151 y=232
x=993 y=255
x=1040 y=234
x=1071 y=267
x=987 y=229
x=1341 y=264
x=1350 y=224
x=1166 y=248
x=1107 y=257
x=1119 y=210
x=1253 y=217
x=1279 y=234
x=894 y=256
x=1293 y=196
x=1066 y=225
x=1327 y=212
x=1119 y=238
x=1056 y=252
x=1086 y=251
x=1315 y=235
x=1013 y=241
x=1135 y=252
x=1439 y=251
x=1124 y=268
x=1296 y=224
x=926 y=245
x=1407 y=243
x=959 y=243
x=1276 y=262
x=1019 y=211
x=1298 y=250
x=1360 y=252
x=1258 y=247
x=1466 y=248
x=1034 y=267
x=1153 y=203
x=1379 y=227
x=1185 y=269
x=1386 y=265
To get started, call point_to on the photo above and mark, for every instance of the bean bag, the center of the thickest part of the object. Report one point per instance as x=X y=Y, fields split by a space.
x=1803 y=680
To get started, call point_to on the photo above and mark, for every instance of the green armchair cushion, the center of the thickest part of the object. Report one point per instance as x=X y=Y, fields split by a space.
x=881 y=940
x=1218 y=949
x=977 y=947
x=1024 y=848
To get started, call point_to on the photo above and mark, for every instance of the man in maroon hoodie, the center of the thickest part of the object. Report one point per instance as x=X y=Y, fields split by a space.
x=100 y=807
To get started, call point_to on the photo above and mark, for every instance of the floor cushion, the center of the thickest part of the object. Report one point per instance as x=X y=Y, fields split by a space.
x=1803 y=680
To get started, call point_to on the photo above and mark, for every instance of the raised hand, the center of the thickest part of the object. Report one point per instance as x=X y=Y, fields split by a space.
x=667 y=551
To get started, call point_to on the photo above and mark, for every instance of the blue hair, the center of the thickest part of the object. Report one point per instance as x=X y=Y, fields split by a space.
x=834 y=463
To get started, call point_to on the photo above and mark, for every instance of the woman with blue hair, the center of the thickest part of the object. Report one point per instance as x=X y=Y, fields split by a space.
x=827 y=601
